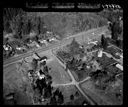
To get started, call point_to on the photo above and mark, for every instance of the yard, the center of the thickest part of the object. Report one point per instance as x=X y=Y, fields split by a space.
x=58 y=73
x=67 y=91
x=17 y=82
x=100 y=96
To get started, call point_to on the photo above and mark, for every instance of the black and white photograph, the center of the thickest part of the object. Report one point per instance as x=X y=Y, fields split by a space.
x=70 y=54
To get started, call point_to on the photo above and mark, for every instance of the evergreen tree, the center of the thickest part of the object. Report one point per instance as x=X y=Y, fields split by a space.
x=104 y=42
x=71 y=97
x=53 y=101
x=74 y=47
x=39 y=25
x=60 y=98
x=34 y=64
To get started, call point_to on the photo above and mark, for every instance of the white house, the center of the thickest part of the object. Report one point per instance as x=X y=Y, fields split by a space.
x=100 y=53
x=43 y=41
x=52 y=39
x=119 y=66
x=7 y=47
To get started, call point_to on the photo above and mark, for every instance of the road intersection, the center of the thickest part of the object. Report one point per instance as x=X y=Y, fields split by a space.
x=57 y=45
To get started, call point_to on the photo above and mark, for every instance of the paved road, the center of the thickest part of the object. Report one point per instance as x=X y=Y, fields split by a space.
x=65 y=41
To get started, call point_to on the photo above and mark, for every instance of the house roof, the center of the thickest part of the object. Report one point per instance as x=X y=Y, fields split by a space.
x=119 y=66
x=42 y=58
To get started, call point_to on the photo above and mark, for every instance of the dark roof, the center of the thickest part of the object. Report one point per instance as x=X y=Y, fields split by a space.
x=15 y=43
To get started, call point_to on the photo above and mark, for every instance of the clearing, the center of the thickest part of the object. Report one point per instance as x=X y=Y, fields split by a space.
x=67 y=91
x=100 y=96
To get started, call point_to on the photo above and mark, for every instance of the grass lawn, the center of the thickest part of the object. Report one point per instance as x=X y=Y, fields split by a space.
x=16 y=79
x=59 y=75
x=10 y=73
x=71 y=90
x=100 y=96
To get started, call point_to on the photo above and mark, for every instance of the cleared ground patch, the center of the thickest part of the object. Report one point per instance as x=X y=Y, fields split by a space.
x=10 y=74
x=99 y=96
x=15 y=81
x=58 y=73
x=67 y=91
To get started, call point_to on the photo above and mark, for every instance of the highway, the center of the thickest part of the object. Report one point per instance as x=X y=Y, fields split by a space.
x=96 y=31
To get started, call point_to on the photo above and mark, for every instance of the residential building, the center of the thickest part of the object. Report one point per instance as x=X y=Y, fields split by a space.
x=100 y=53
x=119 y=66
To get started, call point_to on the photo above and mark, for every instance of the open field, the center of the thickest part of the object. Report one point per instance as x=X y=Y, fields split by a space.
x=15 y=81
x=71 y=90
x=10 y=74
x=99 y=96
x=58 y=73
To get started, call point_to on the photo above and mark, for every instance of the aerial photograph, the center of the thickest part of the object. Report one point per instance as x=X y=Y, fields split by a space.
x=62 y=58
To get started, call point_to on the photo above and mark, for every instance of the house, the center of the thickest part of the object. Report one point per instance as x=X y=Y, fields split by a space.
x=52 y=39
x=100 y=53
x=44 y=58
x=93 y=42
x=41 y=74
x=32 y=44
x=20 y=48
x=43 y=42
x=7 y=47
x=119 y=66
x=120 y=54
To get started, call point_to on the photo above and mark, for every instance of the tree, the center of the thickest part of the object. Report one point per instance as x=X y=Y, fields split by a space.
x=45 y=69
x=34 y=64
x=119 y=43
x=116 y=30
x=74 y=47
x=77 y=94
x=71 y=97
x=53 y=101
x=39 y=25
x=104 y=42
x=60 y=98
x=47 y=92
x=56 y=92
